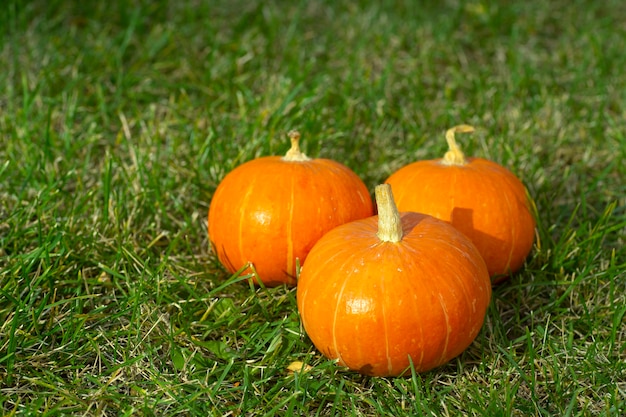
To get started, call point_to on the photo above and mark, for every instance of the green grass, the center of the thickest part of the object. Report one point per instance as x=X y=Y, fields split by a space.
x=118 y=120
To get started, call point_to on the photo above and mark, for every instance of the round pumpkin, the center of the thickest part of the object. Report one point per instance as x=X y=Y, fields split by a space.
x=481 y=198
x=269 y=211
x=380 y=293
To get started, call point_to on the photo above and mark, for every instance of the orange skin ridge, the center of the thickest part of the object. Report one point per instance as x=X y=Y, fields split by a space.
x=376 y=306
x=270 y=211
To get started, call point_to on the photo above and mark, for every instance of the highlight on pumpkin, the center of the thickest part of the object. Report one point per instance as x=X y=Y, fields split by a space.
x=455 y=155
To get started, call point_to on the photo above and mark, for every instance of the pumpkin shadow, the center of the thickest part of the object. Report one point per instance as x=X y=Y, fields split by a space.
x=367 y=369
x=463 y=220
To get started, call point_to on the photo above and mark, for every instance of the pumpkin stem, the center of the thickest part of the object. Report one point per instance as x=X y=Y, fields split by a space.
x=294 y=153
x=455 y=155
x=389 y=222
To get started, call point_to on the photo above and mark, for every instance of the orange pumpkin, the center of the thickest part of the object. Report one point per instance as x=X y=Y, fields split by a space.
x=271 y=210
x=380 y=293
x=480 y=198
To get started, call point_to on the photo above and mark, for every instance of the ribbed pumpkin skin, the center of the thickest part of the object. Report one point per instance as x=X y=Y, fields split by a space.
x=482 y=199
x=270 y=211
x=373 y=304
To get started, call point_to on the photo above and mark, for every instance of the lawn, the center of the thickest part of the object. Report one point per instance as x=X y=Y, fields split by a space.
x=119 y=119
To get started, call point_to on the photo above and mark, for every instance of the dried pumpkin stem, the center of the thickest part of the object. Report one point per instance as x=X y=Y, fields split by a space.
x=455 y=155
x=389 y=222
x=294 y=153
